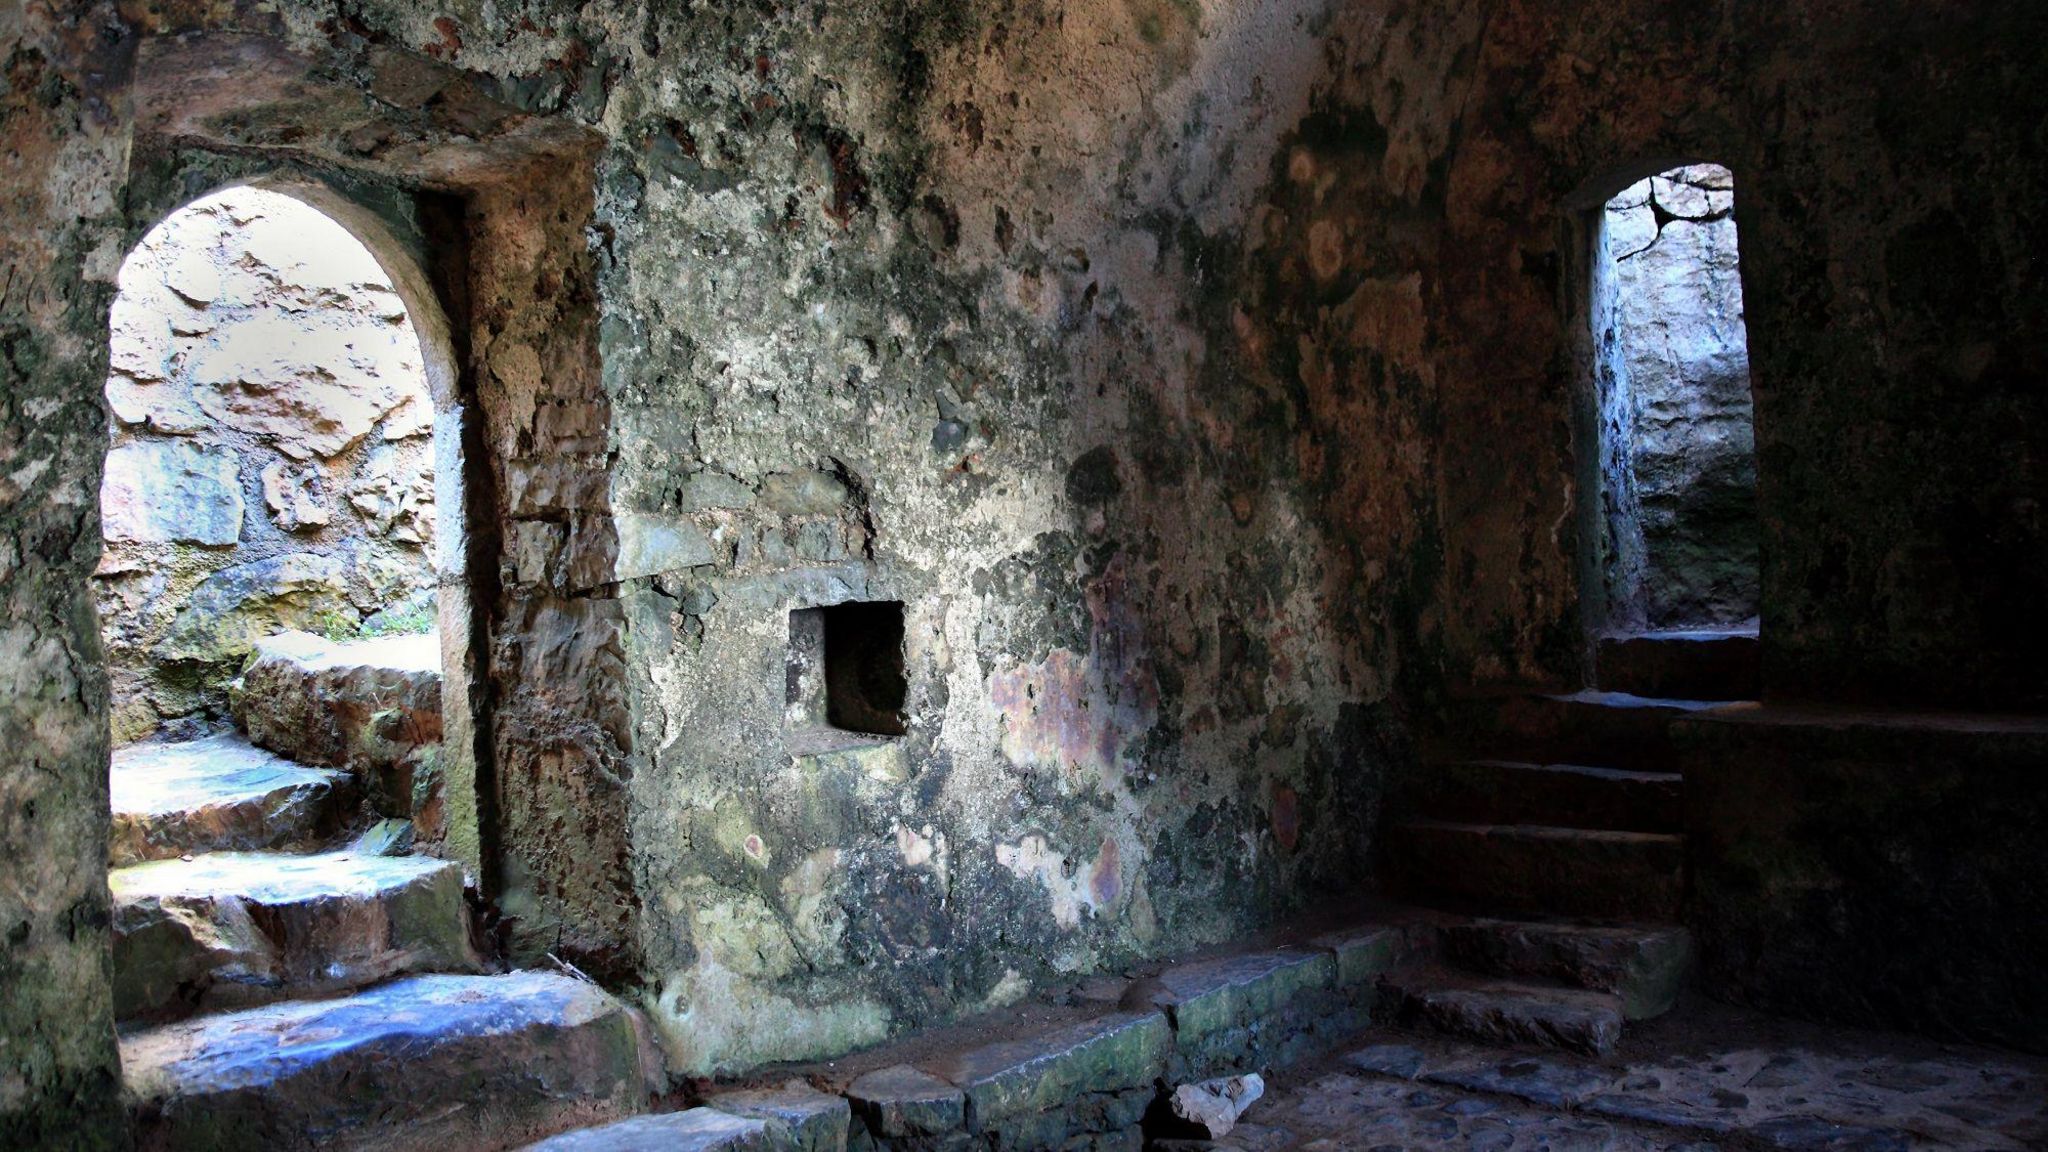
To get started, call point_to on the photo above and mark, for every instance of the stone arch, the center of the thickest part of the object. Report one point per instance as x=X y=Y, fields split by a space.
x=249 y=334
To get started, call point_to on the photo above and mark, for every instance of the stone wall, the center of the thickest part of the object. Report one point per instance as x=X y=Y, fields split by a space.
x=1898 y=419
x=1674 y=379
x=1877 y=874
x=60 y=172
x=1199 y=378
x=269 y=464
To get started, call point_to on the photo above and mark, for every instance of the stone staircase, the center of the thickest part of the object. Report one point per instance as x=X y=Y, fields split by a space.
x=1548 y=832
x=286 y=977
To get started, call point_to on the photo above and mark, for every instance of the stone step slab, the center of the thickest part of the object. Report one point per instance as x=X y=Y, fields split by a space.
x=372 y=706
x=900 y=1102
x=1510 y=1012
x=216 y=794
x=1559 y=795
x=1094 y=1078
x=450 y=1063
x=696 y=1130
x=232 y=929
x=1647 y=966
x=1540 y=870
x=1366 y=953
x=1253 y=1011
x=1687 y=665
x=799 y=1117
x=1596 y=729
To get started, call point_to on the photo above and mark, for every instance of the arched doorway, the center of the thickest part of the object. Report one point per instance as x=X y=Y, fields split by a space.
x=271 y=463
x=280 y=486
x=1678 y=532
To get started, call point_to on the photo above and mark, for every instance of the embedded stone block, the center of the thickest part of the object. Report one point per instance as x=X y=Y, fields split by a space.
x=652 y=544
x=171 y=492
x=234 y=608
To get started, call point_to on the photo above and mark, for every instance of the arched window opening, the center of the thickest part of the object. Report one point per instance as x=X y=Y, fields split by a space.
x=1677 y=453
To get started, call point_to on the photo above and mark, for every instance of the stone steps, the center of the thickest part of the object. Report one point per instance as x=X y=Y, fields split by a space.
x=232 y=929
x=1595 y=729
x=1539 y=870
x=217 y=794
x=1702 y=664
x=1646 y=966
x=1508 y=1012
x=452 y=1063
x=1559 y=795
x=372 y=706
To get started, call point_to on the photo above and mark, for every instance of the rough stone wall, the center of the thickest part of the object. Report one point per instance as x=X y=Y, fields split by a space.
x=1897 y=422
x=1674 y=379
x=269 y=464
x=65 y=133
x=952 y=306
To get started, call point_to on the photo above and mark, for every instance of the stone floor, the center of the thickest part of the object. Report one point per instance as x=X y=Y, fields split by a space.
x=1712 y=1078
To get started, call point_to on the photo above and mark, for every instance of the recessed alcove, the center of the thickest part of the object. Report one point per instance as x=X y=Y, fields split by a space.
x=845 y=668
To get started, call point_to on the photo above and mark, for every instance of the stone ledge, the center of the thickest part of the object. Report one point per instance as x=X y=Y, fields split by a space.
x=798 y=1116
x=1244 y=1013
x=1087 y=1082
x=697 y=1130
x=1041 y=1082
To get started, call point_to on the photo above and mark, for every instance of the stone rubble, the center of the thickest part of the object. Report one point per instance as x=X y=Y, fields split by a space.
x=1215 y=1105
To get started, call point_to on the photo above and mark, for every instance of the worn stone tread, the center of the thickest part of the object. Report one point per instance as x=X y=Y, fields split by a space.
x=229 y=929
x=1116 y=1053
x=696 y=1130
x=217 y=794
x=451 y=1063
x=1542 y=870
x=1511 y=1012
x=1557 y=795
x=809 y=1120
x=1697 y=664
x=1646 y=965
x=1593 y=728
x=373 y=706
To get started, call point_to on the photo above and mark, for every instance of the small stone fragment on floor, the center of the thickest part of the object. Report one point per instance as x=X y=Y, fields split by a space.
x=1215 y=1105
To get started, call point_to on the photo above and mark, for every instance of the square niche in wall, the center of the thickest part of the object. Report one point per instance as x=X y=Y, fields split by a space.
x=846 y=668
